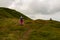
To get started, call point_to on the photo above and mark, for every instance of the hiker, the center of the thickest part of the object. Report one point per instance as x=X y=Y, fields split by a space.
x=50 y=19
x=21 y=21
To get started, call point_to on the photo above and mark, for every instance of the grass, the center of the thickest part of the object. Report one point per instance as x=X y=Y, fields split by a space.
x=48 y=31
x=10 y=28
x=10 y=13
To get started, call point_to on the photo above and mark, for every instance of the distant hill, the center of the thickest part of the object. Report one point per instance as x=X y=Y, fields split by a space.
x=10 y=13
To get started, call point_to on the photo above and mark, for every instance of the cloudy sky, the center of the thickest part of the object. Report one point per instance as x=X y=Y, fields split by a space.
x=35 y=9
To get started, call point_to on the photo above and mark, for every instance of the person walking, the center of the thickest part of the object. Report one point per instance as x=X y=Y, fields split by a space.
x=21 y=21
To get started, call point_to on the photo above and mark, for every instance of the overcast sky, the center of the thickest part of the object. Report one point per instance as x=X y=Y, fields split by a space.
x=35 y=9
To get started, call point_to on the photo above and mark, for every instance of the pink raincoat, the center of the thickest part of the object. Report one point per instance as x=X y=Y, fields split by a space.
x=21 y=20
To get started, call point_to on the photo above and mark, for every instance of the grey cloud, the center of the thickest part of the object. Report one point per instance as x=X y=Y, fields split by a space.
x=5 y=3
x=45 y=7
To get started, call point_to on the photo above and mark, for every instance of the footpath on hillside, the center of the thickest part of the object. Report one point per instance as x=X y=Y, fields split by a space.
x=26 y=33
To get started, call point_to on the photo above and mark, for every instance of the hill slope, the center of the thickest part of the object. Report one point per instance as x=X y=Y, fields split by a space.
x=10 y=28
x=10 y=13
x=45 y=30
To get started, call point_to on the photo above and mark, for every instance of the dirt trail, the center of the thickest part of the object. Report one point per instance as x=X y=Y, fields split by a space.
x=26 y=33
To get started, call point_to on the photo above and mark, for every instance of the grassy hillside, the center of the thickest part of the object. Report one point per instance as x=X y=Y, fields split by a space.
x=10 y=28
x=10 y=13
x=45 y=30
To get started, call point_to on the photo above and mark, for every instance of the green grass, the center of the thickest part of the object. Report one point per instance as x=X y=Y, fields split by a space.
x=10 y=28
x=10 y=13
x=45 y=30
